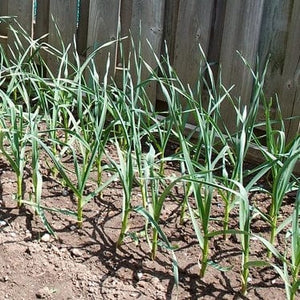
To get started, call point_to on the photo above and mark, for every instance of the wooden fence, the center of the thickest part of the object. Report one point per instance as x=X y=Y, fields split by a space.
x=253 y=27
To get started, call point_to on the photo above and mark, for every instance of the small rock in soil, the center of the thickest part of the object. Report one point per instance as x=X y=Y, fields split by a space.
x=138 y=275
x=2 y=223
x=4 y=278
x=46 y=237
x=65 y=192
x=44 y=293
x=76 y=252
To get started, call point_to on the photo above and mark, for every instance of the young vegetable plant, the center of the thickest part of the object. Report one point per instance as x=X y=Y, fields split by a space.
x=289 y=271
x=82 y=170
x=154 y=201
x=125 y=171
x=13 y=141
x=125 y=166
x=199 y=175
x=282 y=157
x=239 y=142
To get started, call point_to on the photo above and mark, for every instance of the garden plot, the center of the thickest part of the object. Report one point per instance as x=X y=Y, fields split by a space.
x=104 y=198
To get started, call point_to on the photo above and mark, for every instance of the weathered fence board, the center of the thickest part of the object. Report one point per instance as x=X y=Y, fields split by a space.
x=215 y=42
x=289 y=93
x=273 y=38
x=147 y=21
x=62 y=26
x=3 y=26
x=102 y=28
x=241 y=33
x=42 y=18
x=193 y=28
x=3 y=12
x=170 y=24
x=83 y=25
x=23 y=10
x=221 y=27
x=143 y=22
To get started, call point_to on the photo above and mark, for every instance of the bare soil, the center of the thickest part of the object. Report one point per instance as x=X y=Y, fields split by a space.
x=85 y=264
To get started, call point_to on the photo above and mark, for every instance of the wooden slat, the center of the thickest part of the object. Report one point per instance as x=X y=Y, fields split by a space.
x=64 y=14
x=273 y=38
x=272 y=45
x=83 y=24
x=193 y=28
x=215 y=41
x=169 y=39
x=170 y=26
x=42 y=18
x=3 y=12
x=289 y=95
x=103 y=26
x=125 y=23
x=22 y=9
x=147 y=24
x=241 y=32
x=3 y=25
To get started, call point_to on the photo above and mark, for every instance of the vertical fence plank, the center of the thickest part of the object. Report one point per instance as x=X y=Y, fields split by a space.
x=272 y=46
x=42 y=18
x=169 y=39
x=241 y=32
x=103 y=27
x=273 y=38
x=147 y=24
x=83 y=24
x=3 y=12
x=3 y=25
x=193 y=28
x=22 y=9
x=125 y=22
x=64 y=14
x=170 y=25
x=289 y=95
x=215 y=42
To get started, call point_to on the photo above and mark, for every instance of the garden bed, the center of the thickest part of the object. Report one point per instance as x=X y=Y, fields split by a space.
x=104 y=197
x=85 y=264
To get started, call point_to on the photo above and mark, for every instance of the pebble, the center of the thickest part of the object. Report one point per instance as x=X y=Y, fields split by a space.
x=43 y=293
x=2 y=223
x=65 y=192
x=138 y=275
x=46 y=237
x=76 y=252
x=4 y=278
x=28 y=234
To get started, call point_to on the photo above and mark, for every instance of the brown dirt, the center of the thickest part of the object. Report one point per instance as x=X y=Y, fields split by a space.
x=84 y=263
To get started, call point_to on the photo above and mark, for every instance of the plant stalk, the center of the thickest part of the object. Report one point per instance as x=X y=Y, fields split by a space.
x=205 y=252
x=124 y=227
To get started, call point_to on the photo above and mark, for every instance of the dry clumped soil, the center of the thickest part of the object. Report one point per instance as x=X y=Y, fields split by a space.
x=85 y=264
